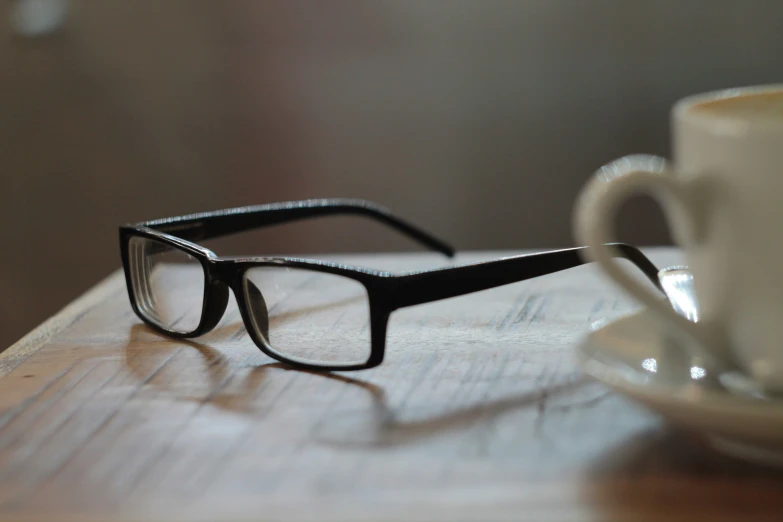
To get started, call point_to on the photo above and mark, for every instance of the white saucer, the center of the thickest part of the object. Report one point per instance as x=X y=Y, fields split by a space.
x=634 y=356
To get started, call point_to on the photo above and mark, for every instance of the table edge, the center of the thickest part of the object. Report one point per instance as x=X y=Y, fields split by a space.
x=18 y=352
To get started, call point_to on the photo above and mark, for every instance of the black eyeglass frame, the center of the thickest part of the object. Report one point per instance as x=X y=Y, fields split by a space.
x=386 y=291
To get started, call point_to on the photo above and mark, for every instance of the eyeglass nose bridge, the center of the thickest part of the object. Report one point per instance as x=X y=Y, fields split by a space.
x=216 y=295
x=223 y=276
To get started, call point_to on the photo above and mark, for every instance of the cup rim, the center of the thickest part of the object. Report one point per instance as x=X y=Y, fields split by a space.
x=726 y=123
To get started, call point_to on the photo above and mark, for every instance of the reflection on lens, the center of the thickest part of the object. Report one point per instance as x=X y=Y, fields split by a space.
x=310 y=317
x=168 y=284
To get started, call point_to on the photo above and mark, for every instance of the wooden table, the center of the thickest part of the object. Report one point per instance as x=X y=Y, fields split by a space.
x=478 y=413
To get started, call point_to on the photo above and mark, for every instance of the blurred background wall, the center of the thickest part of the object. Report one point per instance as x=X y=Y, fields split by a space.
x=478 y=119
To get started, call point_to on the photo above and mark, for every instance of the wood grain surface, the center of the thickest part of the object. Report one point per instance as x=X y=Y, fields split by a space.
x=477 y=413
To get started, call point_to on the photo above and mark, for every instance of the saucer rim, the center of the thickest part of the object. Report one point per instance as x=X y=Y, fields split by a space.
x=689 y=395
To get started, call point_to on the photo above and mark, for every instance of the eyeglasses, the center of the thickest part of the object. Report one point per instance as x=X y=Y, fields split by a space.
x=312 y=314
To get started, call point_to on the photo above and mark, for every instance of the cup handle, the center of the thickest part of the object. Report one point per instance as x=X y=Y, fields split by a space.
x=594 y=216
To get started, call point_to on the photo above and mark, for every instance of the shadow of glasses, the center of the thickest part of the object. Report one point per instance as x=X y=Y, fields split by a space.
x=388 y=430
x=218 y=370
x=378 y=426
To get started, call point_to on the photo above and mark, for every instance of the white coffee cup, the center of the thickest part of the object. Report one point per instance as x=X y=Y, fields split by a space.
x=723 y=199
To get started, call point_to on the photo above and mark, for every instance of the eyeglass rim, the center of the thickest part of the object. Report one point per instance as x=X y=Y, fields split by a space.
x=199 y=253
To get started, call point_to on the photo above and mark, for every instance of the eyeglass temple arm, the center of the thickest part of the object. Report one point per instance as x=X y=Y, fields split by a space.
x=208 y=225
x=433 y=285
